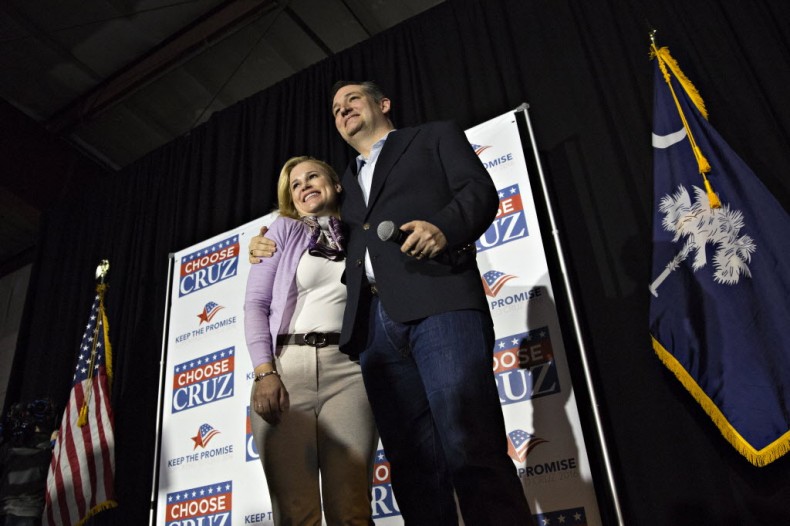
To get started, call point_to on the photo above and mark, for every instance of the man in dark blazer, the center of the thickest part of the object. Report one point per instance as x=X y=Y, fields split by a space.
x=429 y=182
x=418 y=313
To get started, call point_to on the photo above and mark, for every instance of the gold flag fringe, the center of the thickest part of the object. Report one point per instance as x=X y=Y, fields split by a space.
x=759 y=458
x=668 y=64
x=106 y=505
x=107 y=346
x=669 y=61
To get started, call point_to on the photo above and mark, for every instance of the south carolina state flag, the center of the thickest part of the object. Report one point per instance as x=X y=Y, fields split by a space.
x=720 y=291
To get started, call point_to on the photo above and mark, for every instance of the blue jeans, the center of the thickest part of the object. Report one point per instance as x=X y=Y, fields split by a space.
x=432 y=390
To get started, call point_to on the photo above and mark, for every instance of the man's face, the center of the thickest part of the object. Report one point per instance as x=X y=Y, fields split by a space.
x=355 y=111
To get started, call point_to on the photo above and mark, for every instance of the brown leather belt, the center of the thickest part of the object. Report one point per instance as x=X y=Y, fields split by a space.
x=313 y=339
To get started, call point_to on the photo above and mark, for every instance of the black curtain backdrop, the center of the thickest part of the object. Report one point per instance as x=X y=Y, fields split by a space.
x=583 y=67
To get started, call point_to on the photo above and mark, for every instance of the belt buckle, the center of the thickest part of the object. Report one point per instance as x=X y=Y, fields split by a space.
x=315 y=339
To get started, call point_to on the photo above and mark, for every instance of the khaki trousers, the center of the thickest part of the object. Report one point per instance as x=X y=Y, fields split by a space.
x=328 y=430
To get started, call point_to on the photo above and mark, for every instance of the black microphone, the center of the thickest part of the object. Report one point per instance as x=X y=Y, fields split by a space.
x=387 y=231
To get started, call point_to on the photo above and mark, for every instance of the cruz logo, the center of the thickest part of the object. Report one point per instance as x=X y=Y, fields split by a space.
x=494 y=280
x=479 y=148
x=251 y=449
x=208 y=266
x=520 y=443
x=211 y=326
x=203 y=505
x=204 y=435
x=384 y=504
x=209 y=311
x=203 y=380
x=510 y=223
x=516 y=384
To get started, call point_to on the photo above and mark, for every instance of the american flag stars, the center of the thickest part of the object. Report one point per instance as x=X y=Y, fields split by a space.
x=87 y=346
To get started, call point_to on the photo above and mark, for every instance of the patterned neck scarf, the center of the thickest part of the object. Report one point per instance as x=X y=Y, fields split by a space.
x=326 y=237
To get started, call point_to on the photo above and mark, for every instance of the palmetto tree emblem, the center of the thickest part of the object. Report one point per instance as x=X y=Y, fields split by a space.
x=700 y=225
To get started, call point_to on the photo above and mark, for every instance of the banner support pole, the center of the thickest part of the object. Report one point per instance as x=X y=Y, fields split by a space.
x=523 y=107
x=160 y=401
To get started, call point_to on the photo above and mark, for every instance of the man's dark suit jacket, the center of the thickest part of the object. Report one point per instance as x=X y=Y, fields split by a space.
x=428 y=173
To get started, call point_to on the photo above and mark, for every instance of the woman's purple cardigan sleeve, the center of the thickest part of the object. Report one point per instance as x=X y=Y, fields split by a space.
x=266 y=303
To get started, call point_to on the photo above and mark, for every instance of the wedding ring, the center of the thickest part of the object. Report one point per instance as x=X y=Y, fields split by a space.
x=250 y=251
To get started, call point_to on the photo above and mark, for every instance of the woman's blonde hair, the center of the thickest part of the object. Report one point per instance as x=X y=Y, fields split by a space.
x=285 y=201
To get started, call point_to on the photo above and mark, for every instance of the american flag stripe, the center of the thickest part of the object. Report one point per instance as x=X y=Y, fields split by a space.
x=61 y=465
x=107 y=440
x=82 y=445
x=53 y=496
x=89 y=486
x=71 y=471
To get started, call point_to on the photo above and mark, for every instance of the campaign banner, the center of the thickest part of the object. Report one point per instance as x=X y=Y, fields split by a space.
x=545 y=439
x=209 y=469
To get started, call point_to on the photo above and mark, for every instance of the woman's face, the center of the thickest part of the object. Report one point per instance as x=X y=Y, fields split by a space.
x=312 y=190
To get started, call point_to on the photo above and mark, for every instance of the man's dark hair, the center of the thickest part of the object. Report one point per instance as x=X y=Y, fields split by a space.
x=371 y=88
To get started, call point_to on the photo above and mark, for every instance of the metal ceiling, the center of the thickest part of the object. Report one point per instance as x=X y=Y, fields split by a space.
x=118 y=78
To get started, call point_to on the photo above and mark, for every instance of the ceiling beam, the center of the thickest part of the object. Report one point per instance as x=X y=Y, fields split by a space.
x=174 y=51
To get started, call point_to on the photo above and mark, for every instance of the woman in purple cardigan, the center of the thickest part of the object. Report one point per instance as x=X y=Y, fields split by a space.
x=310 y=411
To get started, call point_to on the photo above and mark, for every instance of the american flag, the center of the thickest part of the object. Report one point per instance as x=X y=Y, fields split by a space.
x=80 y=479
